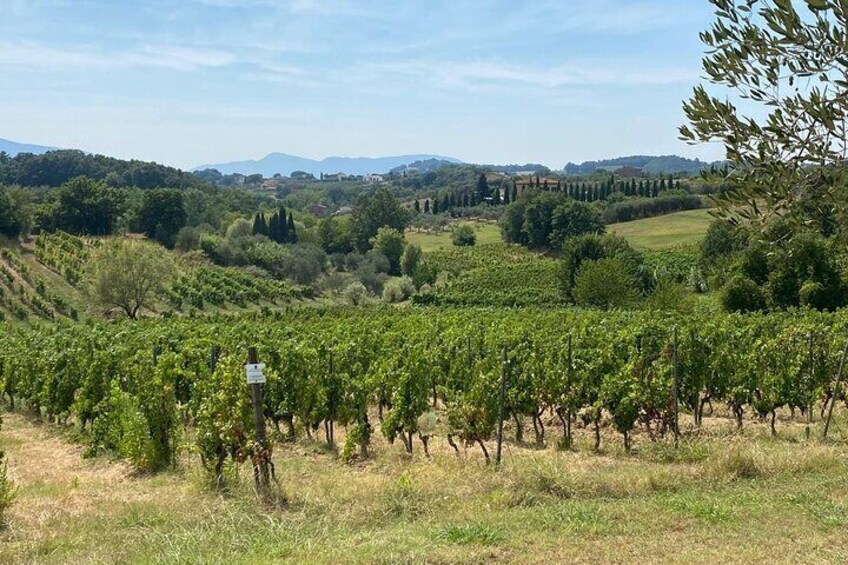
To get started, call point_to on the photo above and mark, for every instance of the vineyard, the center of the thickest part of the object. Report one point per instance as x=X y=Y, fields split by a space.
x=221 y=286
x=493 y=275
x=25 y=295
x=423 y=373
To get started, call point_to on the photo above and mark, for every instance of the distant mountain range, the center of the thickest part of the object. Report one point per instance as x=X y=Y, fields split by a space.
x=662 y=164
x=12 y=148
x=286 y=164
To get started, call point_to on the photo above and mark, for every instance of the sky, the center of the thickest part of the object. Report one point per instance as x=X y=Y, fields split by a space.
x=190 y=82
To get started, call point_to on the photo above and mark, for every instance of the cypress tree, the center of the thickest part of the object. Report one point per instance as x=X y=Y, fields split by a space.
x=274 y=227
x=445 y=203
x=465 y=200
x=435 y=205
x=257 y=224
x=427 y=206
x=496 y=197
x=416 y=206
x=514 y=191
x=662 y=185
x=284 y=228
x=482 y=187
x=291 y=230
x=506 y=199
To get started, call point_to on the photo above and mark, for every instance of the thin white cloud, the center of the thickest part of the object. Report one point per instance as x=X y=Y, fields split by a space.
x=482 y=72
x=30 y=55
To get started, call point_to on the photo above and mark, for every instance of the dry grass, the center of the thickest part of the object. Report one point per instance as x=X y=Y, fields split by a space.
x=722 y=496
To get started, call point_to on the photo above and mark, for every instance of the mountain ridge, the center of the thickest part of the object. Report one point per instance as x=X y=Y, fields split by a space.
x=12 y=148
x=285 y=164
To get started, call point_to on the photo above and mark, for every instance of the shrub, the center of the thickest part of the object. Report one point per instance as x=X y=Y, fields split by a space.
x=410 y=259
x=355 y=293
x=742 y=294
x=424 y=274
x=464 y=236
x=605 y=283
x=188 y=238
x=389 y=242
x=593 y=247
x=398 y=290
x=303 y=263
x=239 y=228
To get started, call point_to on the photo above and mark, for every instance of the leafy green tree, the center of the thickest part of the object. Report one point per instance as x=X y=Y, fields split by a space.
x=127 y=274
x=787 y=61
x=390 y=243
x=410 y=259
x=290 y=234
x=15 y=212
x=574 y=218
x=722 y=240
x=593 y=247
x=260 y=227
x=239 y=228
x=162 y=215
x=83 y=207
x=334 y=234
x=373 y=211
x=482 y=190
x=463 y=236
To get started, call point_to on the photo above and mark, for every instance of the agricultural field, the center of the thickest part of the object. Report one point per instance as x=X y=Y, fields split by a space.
x=662 y=232
x=487 y=233
x=122 y=467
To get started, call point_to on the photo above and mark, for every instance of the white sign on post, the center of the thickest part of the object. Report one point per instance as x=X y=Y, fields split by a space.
x=255 y=376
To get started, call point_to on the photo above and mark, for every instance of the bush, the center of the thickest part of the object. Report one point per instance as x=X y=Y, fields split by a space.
x=605 y=283
x=464 y=236
x=239 y=228
x=389 y=243
x=355 y=294
x=303 y=263
x=188 y=239
x=593 y=247
x=398 y=290
x=424 y=273
x=410 y=259
x=721 y=241
x=742 y=294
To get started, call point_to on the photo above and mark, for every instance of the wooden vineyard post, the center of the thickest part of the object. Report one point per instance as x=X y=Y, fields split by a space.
x=676 y=361
x=569 y=380
x=501 y=399
x=261 y=459
x=835 y=391
x=214 y=353
x=810 y=403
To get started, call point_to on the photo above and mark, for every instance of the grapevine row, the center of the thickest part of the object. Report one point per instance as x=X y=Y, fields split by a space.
x=425 y=373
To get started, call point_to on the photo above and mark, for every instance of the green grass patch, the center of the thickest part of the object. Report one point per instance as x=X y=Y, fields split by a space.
x=663 y=232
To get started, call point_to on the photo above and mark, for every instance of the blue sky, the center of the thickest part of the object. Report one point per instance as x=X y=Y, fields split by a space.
x=187 y=82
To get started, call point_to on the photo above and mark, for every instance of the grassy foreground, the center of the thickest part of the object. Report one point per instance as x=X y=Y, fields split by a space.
x=724 y=497
x=662 y=232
